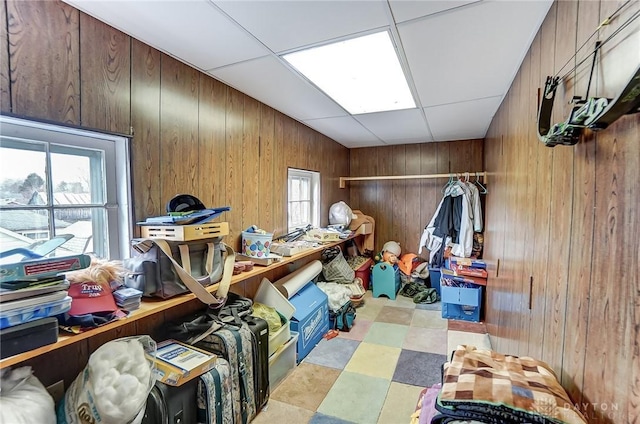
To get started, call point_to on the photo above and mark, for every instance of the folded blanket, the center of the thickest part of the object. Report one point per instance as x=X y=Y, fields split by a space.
x=490 y=387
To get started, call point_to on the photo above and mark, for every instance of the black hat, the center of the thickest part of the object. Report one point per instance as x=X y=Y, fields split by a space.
x=185 y=203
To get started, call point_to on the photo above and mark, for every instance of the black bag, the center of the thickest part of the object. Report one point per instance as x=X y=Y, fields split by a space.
x=235 y=309
x=343 y=318
x=154 y=269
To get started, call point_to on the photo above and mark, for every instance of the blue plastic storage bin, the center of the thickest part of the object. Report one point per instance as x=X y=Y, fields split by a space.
x=463 y=303
x=15 y=316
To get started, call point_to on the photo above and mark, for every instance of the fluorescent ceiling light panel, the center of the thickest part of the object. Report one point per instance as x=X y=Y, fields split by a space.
x=362 y=74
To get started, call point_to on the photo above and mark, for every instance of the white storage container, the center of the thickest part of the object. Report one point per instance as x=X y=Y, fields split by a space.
x=268 y=295
x=30 y=309
x=282 y=361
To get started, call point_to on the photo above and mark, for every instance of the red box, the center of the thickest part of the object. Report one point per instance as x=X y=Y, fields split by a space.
x=364 y=273
x=468 y=271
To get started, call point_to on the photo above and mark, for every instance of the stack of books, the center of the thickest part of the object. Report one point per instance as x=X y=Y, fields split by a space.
x=33 y=291
x=467 y=270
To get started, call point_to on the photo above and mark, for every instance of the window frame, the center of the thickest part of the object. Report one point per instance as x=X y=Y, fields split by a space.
x=116 y=172
x=315 y=196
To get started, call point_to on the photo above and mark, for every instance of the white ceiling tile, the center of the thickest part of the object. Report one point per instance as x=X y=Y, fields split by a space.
x=345 y=130
x=404 y=10
x=193 y=31
x=397 y=125
x=462 y=121
x=271 y=82
x=462 y=54
x=472 y=52
x=285 y=25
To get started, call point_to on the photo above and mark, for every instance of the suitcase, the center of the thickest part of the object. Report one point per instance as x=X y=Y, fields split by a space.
x=170 y=405
x=204 y=400
x=260 y=330
x=215 y=402
x=236 y=346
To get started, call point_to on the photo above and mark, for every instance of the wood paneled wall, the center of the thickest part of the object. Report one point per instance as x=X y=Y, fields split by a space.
x=402 y=208
x=563 y=222
x=191 y=133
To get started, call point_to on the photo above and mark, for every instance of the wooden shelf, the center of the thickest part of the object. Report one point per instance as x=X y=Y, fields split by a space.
x=150 y=307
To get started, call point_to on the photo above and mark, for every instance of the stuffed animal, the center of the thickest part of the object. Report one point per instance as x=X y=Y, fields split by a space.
x=389 y=253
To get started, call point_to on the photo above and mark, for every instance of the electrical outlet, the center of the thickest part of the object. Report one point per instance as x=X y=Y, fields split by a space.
x=56 y=390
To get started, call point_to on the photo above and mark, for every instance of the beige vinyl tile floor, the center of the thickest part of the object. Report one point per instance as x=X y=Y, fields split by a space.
x=372 y=374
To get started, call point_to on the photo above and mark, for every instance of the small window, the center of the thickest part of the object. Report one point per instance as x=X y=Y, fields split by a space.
x=304 y=198
x=64 y=184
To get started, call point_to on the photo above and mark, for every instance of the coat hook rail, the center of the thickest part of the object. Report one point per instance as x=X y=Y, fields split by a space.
x=482 y=174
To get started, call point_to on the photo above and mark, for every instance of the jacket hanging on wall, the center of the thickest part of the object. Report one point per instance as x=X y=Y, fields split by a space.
x=451 y=225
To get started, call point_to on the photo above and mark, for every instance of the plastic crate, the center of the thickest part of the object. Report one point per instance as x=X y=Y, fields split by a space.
x=461 y=312
x=462 y=303
x=282 y=361
x=9 y=318
x=186 y=232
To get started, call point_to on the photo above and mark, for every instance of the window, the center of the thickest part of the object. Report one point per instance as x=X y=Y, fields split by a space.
x=64 y=184
x=304 y=198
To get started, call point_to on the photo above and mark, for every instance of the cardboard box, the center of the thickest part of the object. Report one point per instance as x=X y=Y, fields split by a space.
x=310 y=319
x=186 y=232
x=177 y=362
x=322 y=235
x=468 y=271
x=365 y=228
x=447 y=273
x=472 y=263
x=290 y=248
x=268 y=295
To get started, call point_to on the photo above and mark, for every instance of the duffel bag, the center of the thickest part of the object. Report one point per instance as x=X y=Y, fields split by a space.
x=343 y=318
x=161 y=268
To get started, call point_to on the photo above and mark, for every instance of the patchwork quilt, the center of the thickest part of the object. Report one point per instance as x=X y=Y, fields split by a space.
x=490 y=387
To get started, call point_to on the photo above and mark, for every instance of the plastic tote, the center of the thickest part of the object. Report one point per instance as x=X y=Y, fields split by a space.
x=256 y=245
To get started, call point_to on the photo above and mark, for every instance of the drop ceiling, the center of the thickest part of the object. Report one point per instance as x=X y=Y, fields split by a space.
x=460 y=57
